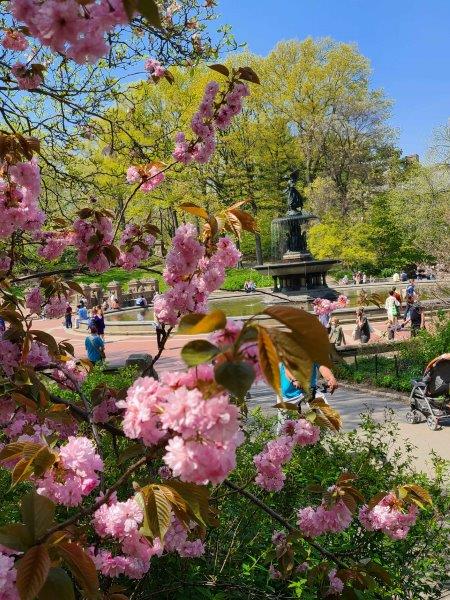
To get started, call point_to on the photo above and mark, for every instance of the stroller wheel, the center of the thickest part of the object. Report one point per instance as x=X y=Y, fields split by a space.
x=432 y=423
x=412 y=417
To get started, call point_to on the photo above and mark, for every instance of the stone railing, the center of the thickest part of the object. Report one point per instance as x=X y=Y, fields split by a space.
x=94 y=294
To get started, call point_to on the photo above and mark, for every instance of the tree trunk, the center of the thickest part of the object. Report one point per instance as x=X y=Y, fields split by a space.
x=258 y=248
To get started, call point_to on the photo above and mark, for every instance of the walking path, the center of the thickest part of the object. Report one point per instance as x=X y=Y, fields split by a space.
x=349 y=403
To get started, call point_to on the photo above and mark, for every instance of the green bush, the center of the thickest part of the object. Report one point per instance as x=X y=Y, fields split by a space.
x=239 y=551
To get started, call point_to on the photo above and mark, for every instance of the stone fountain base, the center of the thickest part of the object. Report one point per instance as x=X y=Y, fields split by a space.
x=295 y=276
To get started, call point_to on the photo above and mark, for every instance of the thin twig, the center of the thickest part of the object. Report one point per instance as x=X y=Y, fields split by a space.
x=283 y=521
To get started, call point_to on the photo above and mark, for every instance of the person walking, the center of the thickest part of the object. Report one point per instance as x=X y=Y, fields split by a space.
x=362 y=327
x=392 y=307
x=409 y=303
x=411 y=289
x=82 y=315
x=68 y=316
x=336 y=335
x=100 y=322
x=416 y=318
x=95 y=347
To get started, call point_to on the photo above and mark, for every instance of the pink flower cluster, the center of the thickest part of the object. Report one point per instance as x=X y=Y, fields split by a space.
x=107 y=408
x=70 y=28
x=14 y=40
x=150 y=175
x=322 y=306
x=192 y=275
x=324 y=519
x=56 y=307
x=268 y=463
x=20 y=186
x=8 y=574
x=27 y=77
x=206 y=120
x=176 y=540
x=68 y=374
x=154 y=69
x=76 y=475
x=22 y=426
x=10 y=356
x=278 y=452
x=336 y=584
x=34 y=300
x=387 y=517
x=135 y=246
x=53 y=244
x=91 y=236
x=202 y=434
x=121 y=521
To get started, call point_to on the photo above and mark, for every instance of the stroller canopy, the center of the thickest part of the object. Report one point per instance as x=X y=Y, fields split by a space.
x=438 y=380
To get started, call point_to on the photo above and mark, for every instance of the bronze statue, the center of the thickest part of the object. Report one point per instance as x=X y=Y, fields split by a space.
x=295 y=200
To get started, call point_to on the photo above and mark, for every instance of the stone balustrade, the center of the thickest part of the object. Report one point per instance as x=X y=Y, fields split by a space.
x=94 y=294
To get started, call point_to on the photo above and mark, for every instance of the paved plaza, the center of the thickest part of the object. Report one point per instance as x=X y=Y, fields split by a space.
x=349 y=402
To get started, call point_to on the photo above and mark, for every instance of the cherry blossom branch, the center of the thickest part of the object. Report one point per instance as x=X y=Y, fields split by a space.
x=283 y=522
x=136 y=189
x=90 y=509
x=39 y=275
x=79 y=412
x=161 y=348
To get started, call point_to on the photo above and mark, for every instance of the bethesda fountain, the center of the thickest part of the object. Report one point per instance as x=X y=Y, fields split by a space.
x=294 y=270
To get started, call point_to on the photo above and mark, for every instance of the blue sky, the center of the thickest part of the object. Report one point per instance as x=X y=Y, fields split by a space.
x=407 y=42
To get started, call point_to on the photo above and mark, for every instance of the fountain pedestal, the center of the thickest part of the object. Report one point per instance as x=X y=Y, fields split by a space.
x=295 y=272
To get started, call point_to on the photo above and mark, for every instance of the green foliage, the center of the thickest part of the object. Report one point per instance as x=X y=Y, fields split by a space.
x=412 y=359
x=236 y=278
x=238 y=553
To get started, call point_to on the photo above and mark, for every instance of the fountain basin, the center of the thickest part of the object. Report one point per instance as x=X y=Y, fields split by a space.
x=300 y=276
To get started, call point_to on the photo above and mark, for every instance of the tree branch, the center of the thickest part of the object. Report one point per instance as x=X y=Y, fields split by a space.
x=283 y=521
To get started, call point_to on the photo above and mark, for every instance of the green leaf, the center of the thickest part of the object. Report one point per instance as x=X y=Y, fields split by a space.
x=58 y=586
x=194 y=323
x=149 y=10
x=156 y=510
x=38 y=513
x=310 y=334
x=32 y=571
x=15 y=536
x=198 y=352
x=196 y=496
x=236 y=377
x=81 y=566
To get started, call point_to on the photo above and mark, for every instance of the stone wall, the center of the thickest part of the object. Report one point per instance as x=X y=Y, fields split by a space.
x=94 y=294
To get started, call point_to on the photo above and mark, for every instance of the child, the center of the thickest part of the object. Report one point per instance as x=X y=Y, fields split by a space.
x=336 y=335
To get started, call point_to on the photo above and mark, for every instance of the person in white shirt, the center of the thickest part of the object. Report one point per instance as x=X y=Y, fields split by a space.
x=392 y=307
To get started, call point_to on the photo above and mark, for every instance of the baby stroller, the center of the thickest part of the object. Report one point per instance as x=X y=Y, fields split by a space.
x=430 y=397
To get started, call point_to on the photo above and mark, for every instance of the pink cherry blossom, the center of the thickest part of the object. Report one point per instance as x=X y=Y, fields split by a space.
x=27 y=79
x=56 y=307
x=336 y=584
x=34 y=300
x=386 y=516
x=10 y=355
x=323 y=519
x=14 y=40
x=143 y=407
x=8 y=574
x=154 y=68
